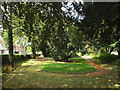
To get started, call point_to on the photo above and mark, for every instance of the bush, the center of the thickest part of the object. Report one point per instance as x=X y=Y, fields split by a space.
x=6 y=68
x=107 y=58
x=118 y=62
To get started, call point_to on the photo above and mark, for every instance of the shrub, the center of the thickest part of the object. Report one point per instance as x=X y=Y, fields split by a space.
x=96 y=60
x=118 y=62
x=107 y=58
x=6 y=68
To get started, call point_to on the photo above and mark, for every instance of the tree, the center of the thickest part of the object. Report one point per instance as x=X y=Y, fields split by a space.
x=99 y=24
x=7 y=10
x=27 y=12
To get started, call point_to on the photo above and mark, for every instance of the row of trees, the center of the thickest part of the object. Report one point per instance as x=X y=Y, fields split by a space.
x=61 y=33
x=100 y=25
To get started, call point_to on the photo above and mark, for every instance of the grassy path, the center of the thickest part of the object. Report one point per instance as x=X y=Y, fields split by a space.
x=28 y=76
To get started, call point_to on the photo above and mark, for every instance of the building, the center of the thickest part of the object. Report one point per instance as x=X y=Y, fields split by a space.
x=3 y=49
x=16 y=48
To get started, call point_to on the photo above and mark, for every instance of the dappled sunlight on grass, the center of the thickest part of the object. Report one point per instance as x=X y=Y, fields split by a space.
x=110 y=68
x=33 y=68
x=28 y=63
x=45 y=80
x=61 y=62
x=32 y=59
x=67 y=67
x=48 y=58
x=13 y=74
x=29 y=75
x=49 y=61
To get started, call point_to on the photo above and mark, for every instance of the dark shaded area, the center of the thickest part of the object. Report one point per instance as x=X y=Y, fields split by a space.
x=17 y=58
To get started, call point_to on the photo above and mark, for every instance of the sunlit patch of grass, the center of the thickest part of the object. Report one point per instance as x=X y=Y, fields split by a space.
x=16 y=74
x=28 y=63
x=67 y=67
x=48 y=59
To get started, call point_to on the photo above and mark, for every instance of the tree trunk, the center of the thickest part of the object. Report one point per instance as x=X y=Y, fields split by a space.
x=119 y=49
x=111 y=50
x=44 y=52
x=119 y=54
x=33 y=48
x=10 y=38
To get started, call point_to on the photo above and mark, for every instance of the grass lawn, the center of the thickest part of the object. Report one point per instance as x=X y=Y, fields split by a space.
x=77 y=59
x=80 y=59
x=28 y=76
x=67 y=67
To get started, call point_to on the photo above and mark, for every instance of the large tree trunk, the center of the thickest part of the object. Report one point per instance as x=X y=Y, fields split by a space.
x=119 y=54
x=44 y=52
x=10 y=38
x=119 y=49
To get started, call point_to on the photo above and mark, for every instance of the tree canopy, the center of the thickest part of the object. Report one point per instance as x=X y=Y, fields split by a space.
x=62 y=29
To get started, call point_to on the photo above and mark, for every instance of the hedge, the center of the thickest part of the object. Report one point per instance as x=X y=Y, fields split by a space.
x=16 y=58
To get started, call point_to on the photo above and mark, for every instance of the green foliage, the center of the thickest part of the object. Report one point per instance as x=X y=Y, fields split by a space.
x=107 y=58
x=28 y=49
x=99 y=24
x=118 y=62
x=61 y=47
x=96 y=60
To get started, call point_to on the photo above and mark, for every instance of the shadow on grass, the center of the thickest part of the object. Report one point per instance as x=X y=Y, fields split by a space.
x=29 y=77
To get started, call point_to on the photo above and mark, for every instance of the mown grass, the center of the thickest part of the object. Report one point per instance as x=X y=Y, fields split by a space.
x=67 y=67
x=28 y=75
x=80 y=59
x=77 y=60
